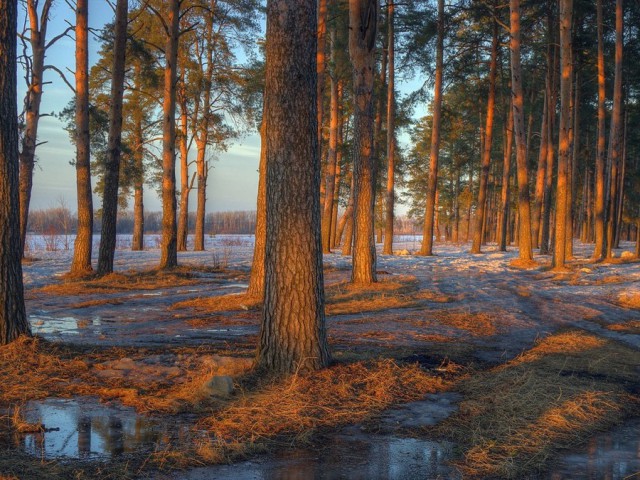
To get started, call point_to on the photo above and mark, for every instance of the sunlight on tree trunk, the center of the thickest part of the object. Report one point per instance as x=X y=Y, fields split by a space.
x=432 y=184
x=363 y=15
x=293 y=335
x=83 y=244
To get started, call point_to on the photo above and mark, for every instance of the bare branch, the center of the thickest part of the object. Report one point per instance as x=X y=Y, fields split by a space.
x=62 y=75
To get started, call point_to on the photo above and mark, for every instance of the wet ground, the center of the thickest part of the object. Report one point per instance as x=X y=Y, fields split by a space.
x=517 y=306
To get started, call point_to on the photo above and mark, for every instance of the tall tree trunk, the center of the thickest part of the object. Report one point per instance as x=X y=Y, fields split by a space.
x=112 y=164
x=564 y=143
x=168 y=250
x=599 y=224
x=615 y=134
x=387 y=248
x=347 y=226
x=432 y=182
x=83 y=244
x=545 y=222
x=13 y=318
x=488 y=143
x=542 y=169
x=363 y=15
x=506 y=174
x=335 y=239
x=202 y=140
x=37 y=38
x=137 y=242
x=321 y=64
x=524 y=209
x=185 y=186
x=256 y=279
x=573 y=170
x=293 y=335
x=332 y=156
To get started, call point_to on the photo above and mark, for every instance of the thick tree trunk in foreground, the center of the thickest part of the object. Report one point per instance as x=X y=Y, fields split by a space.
x=168 y=249
x=524 y=209
x=599 y=206
x=432 y=183
x=83 y=244
x=564 y=143
x=387 y=248
x=112 y=165
x=13 y=318
x=615 y=135
x=488 y=143
x=293 y=335
x=363 y=15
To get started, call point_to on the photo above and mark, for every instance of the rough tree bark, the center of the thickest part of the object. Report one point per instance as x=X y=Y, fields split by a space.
x=488 y=143
x=13 y=318
x=387 y=248
x=112 y=164
x=83 y=244
x=564 y=142
x=168 y=249
x=363 y=15
x=432 y=182
x=293 y=335
x=524 y=209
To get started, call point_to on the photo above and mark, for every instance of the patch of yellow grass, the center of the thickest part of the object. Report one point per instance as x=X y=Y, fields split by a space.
x=222 y=303
x=515 y=417
x=629 y=299
x=632 y=326
x=303 y=404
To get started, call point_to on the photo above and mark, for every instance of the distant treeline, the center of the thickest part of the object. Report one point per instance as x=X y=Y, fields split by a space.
x=61 y=221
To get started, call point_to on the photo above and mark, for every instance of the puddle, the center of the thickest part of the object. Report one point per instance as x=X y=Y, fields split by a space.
x=613 y=455
x=85 y=428
x=344 y=456
x=235 y=285
x=44 y=324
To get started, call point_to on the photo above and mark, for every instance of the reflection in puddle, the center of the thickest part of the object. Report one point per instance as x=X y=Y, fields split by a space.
x=613 y=455
x=84 y=427
x=45 y=324
x=344 y=456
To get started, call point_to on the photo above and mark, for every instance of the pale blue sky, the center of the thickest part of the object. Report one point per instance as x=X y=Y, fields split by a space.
x=233 y=181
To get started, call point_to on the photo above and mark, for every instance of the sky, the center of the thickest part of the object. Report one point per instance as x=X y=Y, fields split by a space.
x=233 y=180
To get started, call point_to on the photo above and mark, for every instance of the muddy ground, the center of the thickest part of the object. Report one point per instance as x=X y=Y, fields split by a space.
x=464 y=313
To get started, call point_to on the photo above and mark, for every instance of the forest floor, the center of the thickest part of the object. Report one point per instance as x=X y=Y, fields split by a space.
x=453 y=366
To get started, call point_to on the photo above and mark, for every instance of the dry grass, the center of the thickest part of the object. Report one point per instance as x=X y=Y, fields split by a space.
x=34 y=369
x=342 y=298
x=632 y=326
x=477 y=324
x=221 y=303
x=516 y=417
x=297 y=407
x=96 y=303
x=630 y=299
x=118 y=282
